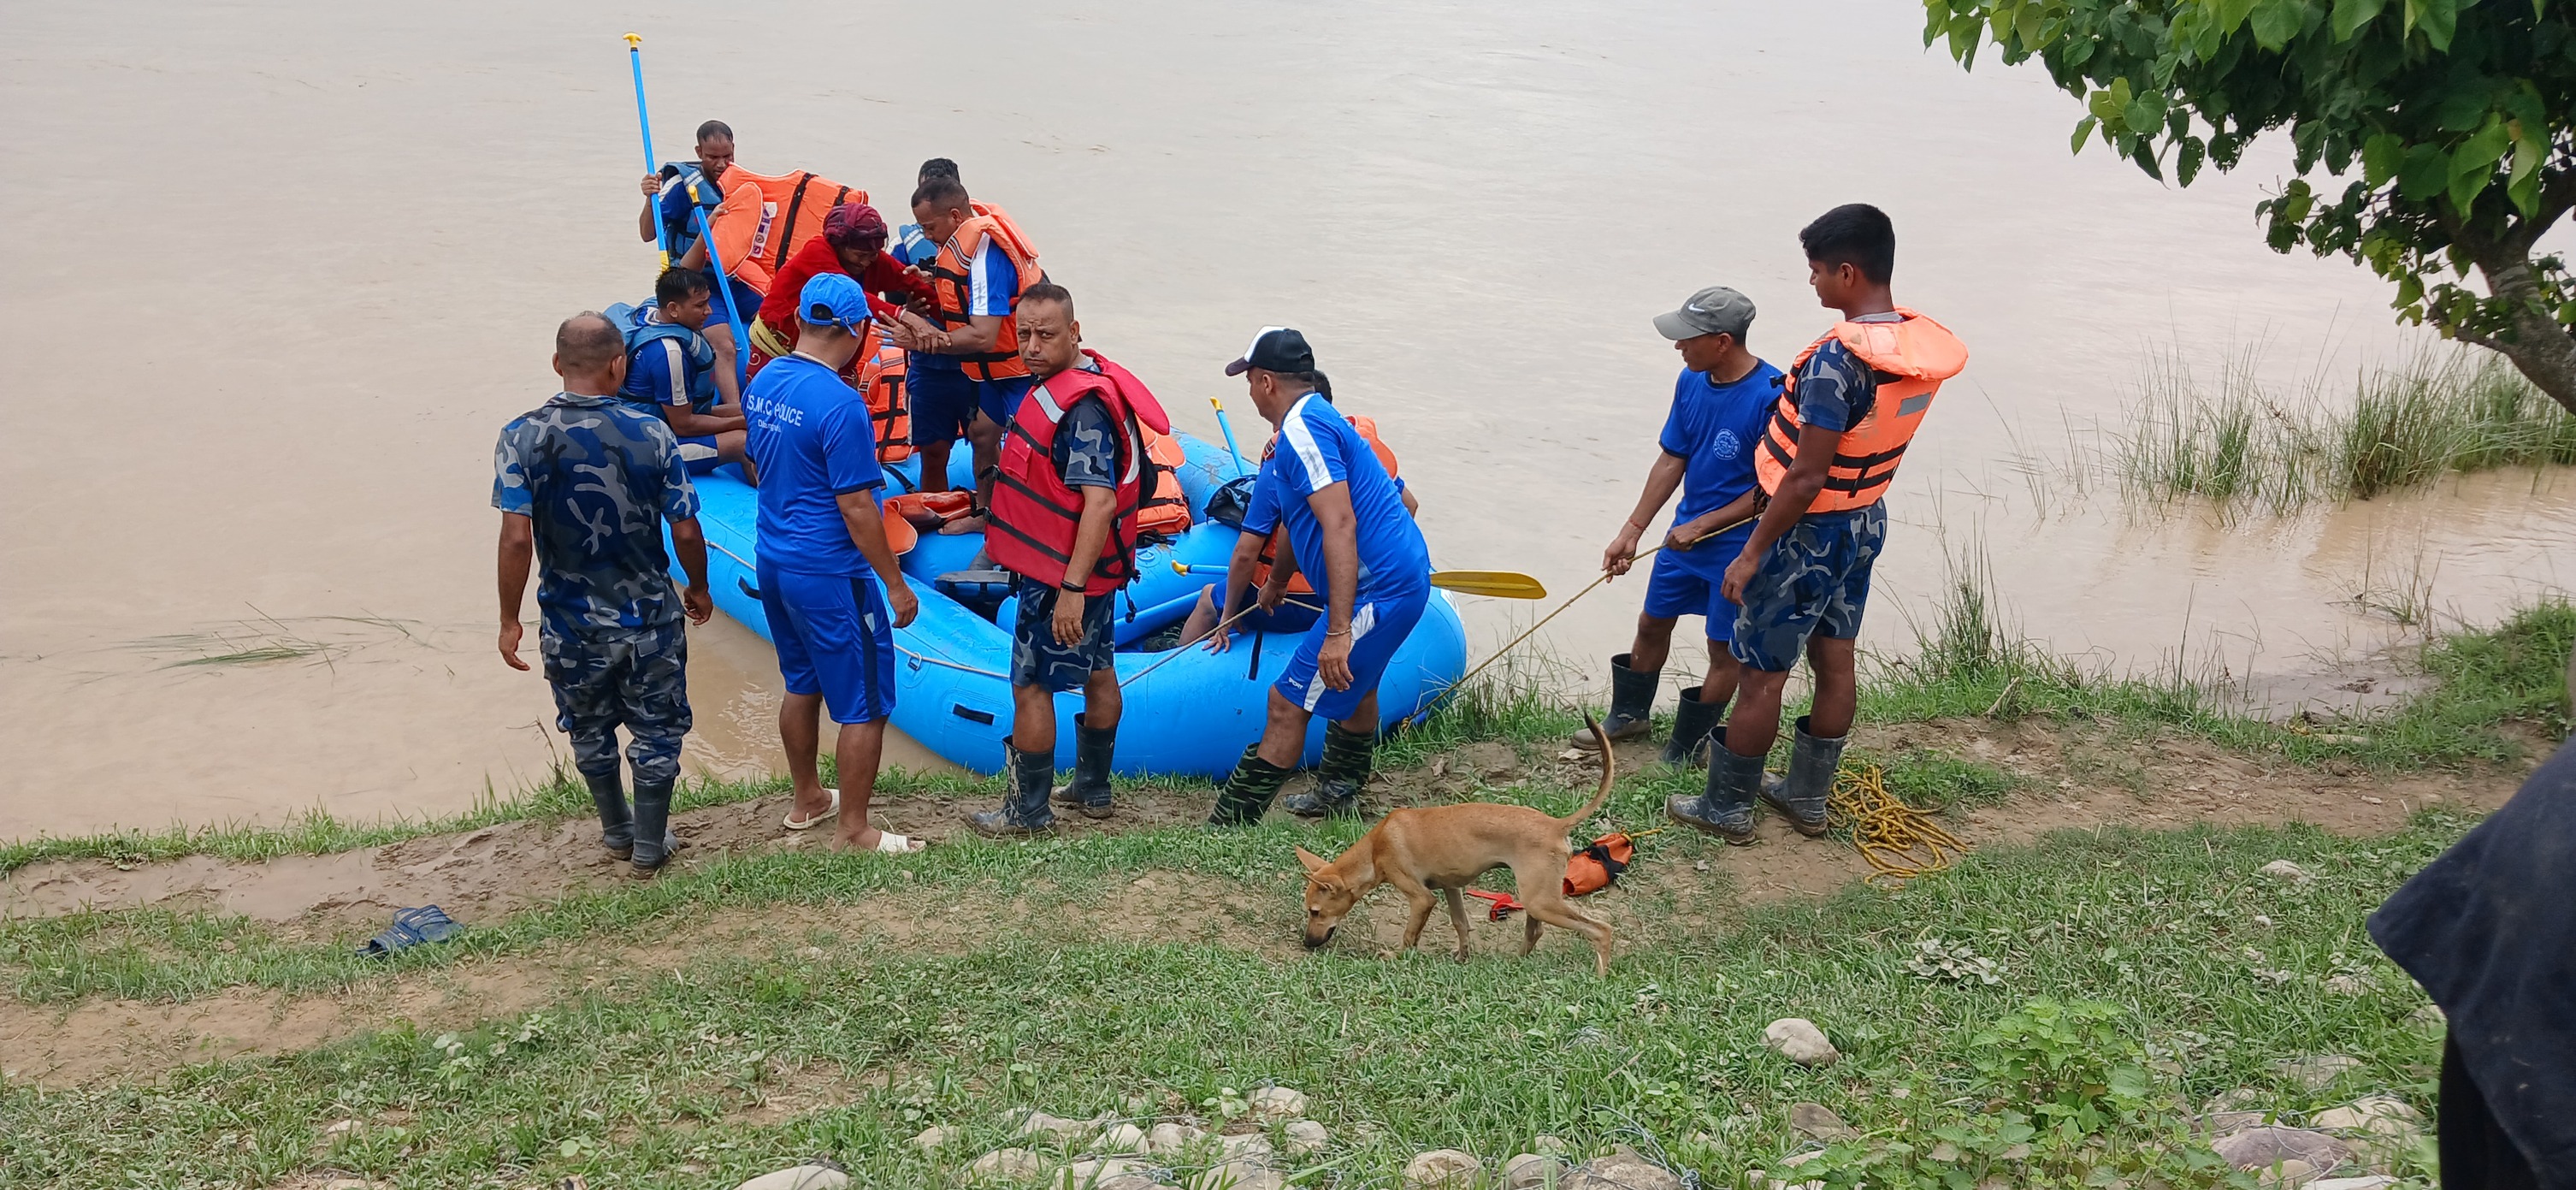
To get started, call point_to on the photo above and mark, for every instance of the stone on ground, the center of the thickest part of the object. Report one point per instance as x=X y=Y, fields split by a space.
x=1006 y=1165
x=2293 y=1173
x=1442 y=1169
x=2429 y=1016
x=2316 y=1072
x=2262 y=1148
x=1533 y=1171
x=1037 y=1125
x=1239 y=1175
x=1090 y=1175
x=1819 y=1121
x=2378 y=1114
x=799 y=1177
x=1168 y=1138
x=1623 y=1169
x=1800 y=1041
x=1277 y=1103
x=1773 y=1180
x=1306 y=1138
x=2282 y=869
x=1549 y=1146
x=342 y=1127
x=2346 y=985
x=1122 y=1138
x=934 y=1138
x=1249 y=1147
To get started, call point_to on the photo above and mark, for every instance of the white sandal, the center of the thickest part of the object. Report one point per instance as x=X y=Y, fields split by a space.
x=829 y=813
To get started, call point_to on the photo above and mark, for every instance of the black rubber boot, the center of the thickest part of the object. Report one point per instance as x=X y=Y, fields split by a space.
x=1692 y=721
x=1089 y=789
x=616 y=824
x=1338 y=781
x=1632 y=704
x=1811 y=781
x=1248 y=790
x=652 y=821
x=1725 y=809
x=1024 y=805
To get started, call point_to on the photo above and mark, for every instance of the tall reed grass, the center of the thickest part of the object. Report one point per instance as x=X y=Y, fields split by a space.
x=2245 y=444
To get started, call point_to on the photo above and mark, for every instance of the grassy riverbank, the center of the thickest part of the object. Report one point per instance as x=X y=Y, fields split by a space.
x=2244 y=444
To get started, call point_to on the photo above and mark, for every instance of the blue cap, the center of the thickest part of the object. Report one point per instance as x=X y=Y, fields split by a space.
x=833 y=299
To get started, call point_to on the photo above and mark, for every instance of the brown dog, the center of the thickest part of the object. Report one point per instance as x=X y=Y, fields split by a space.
x=1447 y=847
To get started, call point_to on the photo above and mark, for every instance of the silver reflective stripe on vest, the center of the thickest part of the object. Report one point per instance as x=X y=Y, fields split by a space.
x=1913 y=404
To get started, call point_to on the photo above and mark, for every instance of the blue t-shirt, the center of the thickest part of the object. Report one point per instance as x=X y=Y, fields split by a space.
x=598 y=476
x=1714 y=429
x=992 y=281
x=1317 y=448
x=811 y=436
x=911 y=247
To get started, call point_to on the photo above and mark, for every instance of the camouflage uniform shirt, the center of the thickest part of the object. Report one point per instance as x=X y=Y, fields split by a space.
x=598 y=476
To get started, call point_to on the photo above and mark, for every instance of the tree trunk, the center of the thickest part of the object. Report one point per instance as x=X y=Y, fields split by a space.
x=2538 y=347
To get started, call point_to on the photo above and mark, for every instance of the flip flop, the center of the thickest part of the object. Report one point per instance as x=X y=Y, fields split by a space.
x=891 y=843
x=826 y=816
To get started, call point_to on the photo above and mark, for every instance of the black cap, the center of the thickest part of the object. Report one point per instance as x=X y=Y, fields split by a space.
x=1275 y=349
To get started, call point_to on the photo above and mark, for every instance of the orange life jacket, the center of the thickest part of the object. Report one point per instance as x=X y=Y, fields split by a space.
x=951 y=281
x=876 y=372
x=1297 y=584
x=1165 y=513
x=792 y=208
x=1035 y=516
x=1911 y=359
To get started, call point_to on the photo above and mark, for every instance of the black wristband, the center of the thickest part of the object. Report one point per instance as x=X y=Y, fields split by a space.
x=1071 y=587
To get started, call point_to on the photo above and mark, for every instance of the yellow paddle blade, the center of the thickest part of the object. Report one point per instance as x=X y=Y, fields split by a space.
x=1497 y=584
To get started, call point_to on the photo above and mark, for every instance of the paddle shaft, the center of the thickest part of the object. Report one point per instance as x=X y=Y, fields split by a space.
x=724 y=283
x=1640 y=556
x=1456 y=581
x=644 y=120
x=1228 y=428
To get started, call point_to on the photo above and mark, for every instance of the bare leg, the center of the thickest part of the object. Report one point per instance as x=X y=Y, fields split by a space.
x=1202 y=618
x=1755 y=721
x=1458 y=919
x=934 y=465
x=862 y=745
x=1724 y=671
x=1654 y=643
x=1837 y=687
x=1102 y=702
x=1283 y=739
x=1363 y=720
x=985 y=436
x=1033 y=720
x=800 y=719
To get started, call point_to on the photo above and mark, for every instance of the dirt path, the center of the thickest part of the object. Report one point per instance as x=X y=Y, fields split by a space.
x=2071 y=781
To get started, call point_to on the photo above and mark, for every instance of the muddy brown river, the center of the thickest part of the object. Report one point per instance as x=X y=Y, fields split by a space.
x=280 y=271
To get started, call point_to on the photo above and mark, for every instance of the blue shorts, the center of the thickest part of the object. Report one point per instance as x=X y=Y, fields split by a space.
x=1674 y=590
x=945 y=401
x=834 y=638
x=1814 y=582
x=699 y=453
x=1380 y=621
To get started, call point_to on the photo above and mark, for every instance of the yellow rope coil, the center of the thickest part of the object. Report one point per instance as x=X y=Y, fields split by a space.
x=1899 y=841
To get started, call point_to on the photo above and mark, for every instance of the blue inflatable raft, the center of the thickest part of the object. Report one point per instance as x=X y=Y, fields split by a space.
x=1192 y=714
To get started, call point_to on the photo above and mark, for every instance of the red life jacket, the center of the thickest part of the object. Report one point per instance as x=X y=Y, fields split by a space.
x=1035 y=516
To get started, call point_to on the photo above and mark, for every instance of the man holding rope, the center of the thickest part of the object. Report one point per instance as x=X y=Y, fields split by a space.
x=1346 y=517
x=1855 y=398
x=1720 y=403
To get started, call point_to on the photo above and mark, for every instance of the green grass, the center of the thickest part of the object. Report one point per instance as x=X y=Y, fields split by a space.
x=2246 y=445
x=641 y=1080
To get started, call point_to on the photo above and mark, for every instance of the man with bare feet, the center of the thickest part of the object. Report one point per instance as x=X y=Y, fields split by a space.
x=584 y=484
x=823 y=556
x=1855 y=398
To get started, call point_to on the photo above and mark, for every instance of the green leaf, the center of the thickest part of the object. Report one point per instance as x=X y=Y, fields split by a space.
x=2231 y=13
x=2423 y=174
x=2141 y=116
x=2028 y=27
x=2129 y=1082
x=2105 y=106
x=2276 y=22
x=2380 y=157
x=2439 y=19
x=2083 y=131
x=2351 y=15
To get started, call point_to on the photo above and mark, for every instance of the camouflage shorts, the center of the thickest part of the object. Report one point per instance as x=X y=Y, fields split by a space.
x=1814 y=582
x=1038 y=659
x=637 y=678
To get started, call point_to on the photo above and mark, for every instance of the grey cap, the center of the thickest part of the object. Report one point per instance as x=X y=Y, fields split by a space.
x=1715 y=310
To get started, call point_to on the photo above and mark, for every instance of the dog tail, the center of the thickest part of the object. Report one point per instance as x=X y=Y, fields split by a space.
x=1609 y=773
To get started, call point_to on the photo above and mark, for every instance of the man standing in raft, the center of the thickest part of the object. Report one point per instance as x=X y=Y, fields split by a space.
x=969 y=376
x=1064 y=520
x=1720 y=404
x=584 y=485
x=1855 y=398
x=823 y=557
x=1349 y=531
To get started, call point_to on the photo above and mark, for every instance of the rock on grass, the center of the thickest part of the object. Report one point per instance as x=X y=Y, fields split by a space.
x=1819 y=1121
x=1277 y=1103
x=1622 y=1170
x=1168 y=1138
x=2263 y=1148
x=2316 y=1072
x=1006 y=1165
x=1306 y=1138
x=1239 y=1175
x=1800 y=1041
x=1533 y=1171
x=934 y=1138
x=1442 y=1169
x=799 y=1177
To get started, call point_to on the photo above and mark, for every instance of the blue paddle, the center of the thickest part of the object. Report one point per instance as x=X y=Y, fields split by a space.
x=644 y=119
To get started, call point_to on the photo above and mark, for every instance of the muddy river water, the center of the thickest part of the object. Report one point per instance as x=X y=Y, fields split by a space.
x=279 y=272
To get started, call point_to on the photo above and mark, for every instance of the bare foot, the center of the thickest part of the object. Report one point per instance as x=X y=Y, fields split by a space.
x=962 y=525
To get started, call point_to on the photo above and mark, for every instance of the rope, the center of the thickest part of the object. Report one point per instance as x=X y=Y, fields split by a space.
x=1899 y=841
x=1221 y=626
x=1639 y=556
